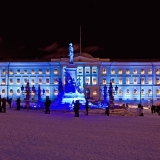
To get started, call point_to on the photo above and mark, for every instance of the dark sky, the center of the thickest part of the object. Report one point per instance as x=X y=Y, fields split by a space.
x=117 y=30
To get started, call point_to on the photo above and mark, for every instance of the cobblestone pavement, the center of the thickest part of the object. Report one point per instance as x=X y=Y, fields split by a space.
x=33 y=135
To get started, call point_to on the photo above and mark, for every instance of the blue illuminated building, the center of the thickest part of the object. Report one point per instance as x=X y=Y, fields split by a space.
x=137 y=81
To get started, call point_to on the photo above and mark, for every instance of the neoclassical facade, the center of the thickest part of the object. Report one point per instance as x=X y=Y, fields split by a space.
x=135 y=80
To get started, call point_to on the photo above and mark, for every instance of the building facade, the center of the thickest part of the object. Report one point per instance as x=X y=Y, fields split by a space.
x=136 y=81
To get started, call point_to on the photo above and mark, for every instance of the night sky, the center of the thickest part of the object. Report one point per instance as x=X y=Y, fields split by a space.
x=42 y=30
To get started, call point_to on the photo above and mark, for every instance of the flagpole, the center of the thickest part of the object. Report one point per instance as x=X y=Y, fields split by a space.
x=80 y=40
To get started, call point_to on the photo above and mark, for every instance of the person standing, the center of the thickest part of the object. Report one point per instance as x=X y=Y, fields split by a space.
x=0 y=104
x=18 y=103
x=47 y=105
x=4 y=100
x=86 y=106
x=76 y=108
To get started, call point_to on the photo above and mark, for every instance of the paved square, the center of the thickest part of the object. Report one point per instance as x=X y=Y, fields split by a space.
x=33 y=135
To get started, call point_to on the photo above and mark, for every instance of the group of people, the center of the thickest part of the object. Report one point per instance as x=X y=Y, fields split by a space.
x=155 y=109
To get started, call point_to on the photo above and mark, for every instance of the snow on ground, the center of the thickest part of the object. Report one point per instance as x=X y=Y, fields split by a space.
x=33 y=135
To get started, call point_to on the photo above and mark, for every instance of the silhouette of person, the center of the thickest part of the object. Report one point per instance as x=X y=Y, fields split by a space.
x=86 y=106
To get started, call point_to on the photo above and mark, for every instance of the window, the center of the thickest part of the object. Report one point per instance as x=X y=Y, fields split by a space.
x=94 y=93
x=47 y=71
x=142 y=80
x=55 y=91
x=142 y=71
x=11 y=91
x=127 y=92
x=87 y=81
x=32 y=72
x=18 y=80
x=150 y=80
x=3 y=81
x=135 y=91
x=120 y=80
x=127 y=80
x=3 y=91
x=120 y=71
x=25 y=71
x=47 y=91
x=112 y=71
x=142 y=91
x=135 y=71
x=11 y=71
x=157 y=71
x=94 y=70
x=18 y=71
x=32 y=81
x=87 y=70
x=112 y=80
x=55 y=81
x=104 y=71
x=135 y=80
x=157 y=91
x=157 y=81
x=18 y=91
x=94 y=81
x=79 y=70
x=104 y=81
x=47 y=80
x=149 y=92
x=127 y=71
x=40 y=71
x=25 y=80
x=120 y=91
x=40 y=80
x=11 y=81
x=56 y=71
x=3 y=71
x=150 y=71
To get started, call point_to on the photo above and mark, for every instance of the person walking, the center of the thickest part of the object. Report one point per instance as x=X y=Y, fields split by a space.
x=18 y=103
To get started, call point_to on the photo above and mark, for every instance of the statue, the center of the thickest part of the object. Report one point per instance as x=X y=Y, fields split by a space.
x=71 y=53
x=78 y=85
x=69 y=84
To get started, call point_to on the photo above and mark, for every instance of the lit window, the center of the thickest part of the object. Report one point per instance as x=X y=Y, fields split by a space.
x=134 y=71
x=47 y=71
x=127 y=92
x=18 y=91
x=149 y=91
x=25 y=71
x=3 y=81
x=40 y=71
x=120 y=71
x=94 y=70
x=47 y=80
x=120 y=91
x=142 y=71
x=157 y=71
x=40 y=80
x=127 y=71
x=104 y=71
x=157 y=81
x=11 y=71
x=55 y=81
x=94 y=93
x=25 y=80
x=112 y=71
x=56 y=71
x=11 y=91
x=150 y=71
x=18 y=71
x=79 y=70
x=32 y=81
x=87 y=81
x=47 y=91
x=11 y=81
x=94 y=81
x=3 y=71
x=104 y=81
x=157 y=91
x=120 y=80
x=87 y=70
x=112 y=80
x=142 y=91
x=142 y=80
x=135 y=91
x=18 y=81
x=135 y=80
x=3 y=91
x=33 y=72
x=150 y=80
x=127 y=81
x=55 y=91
